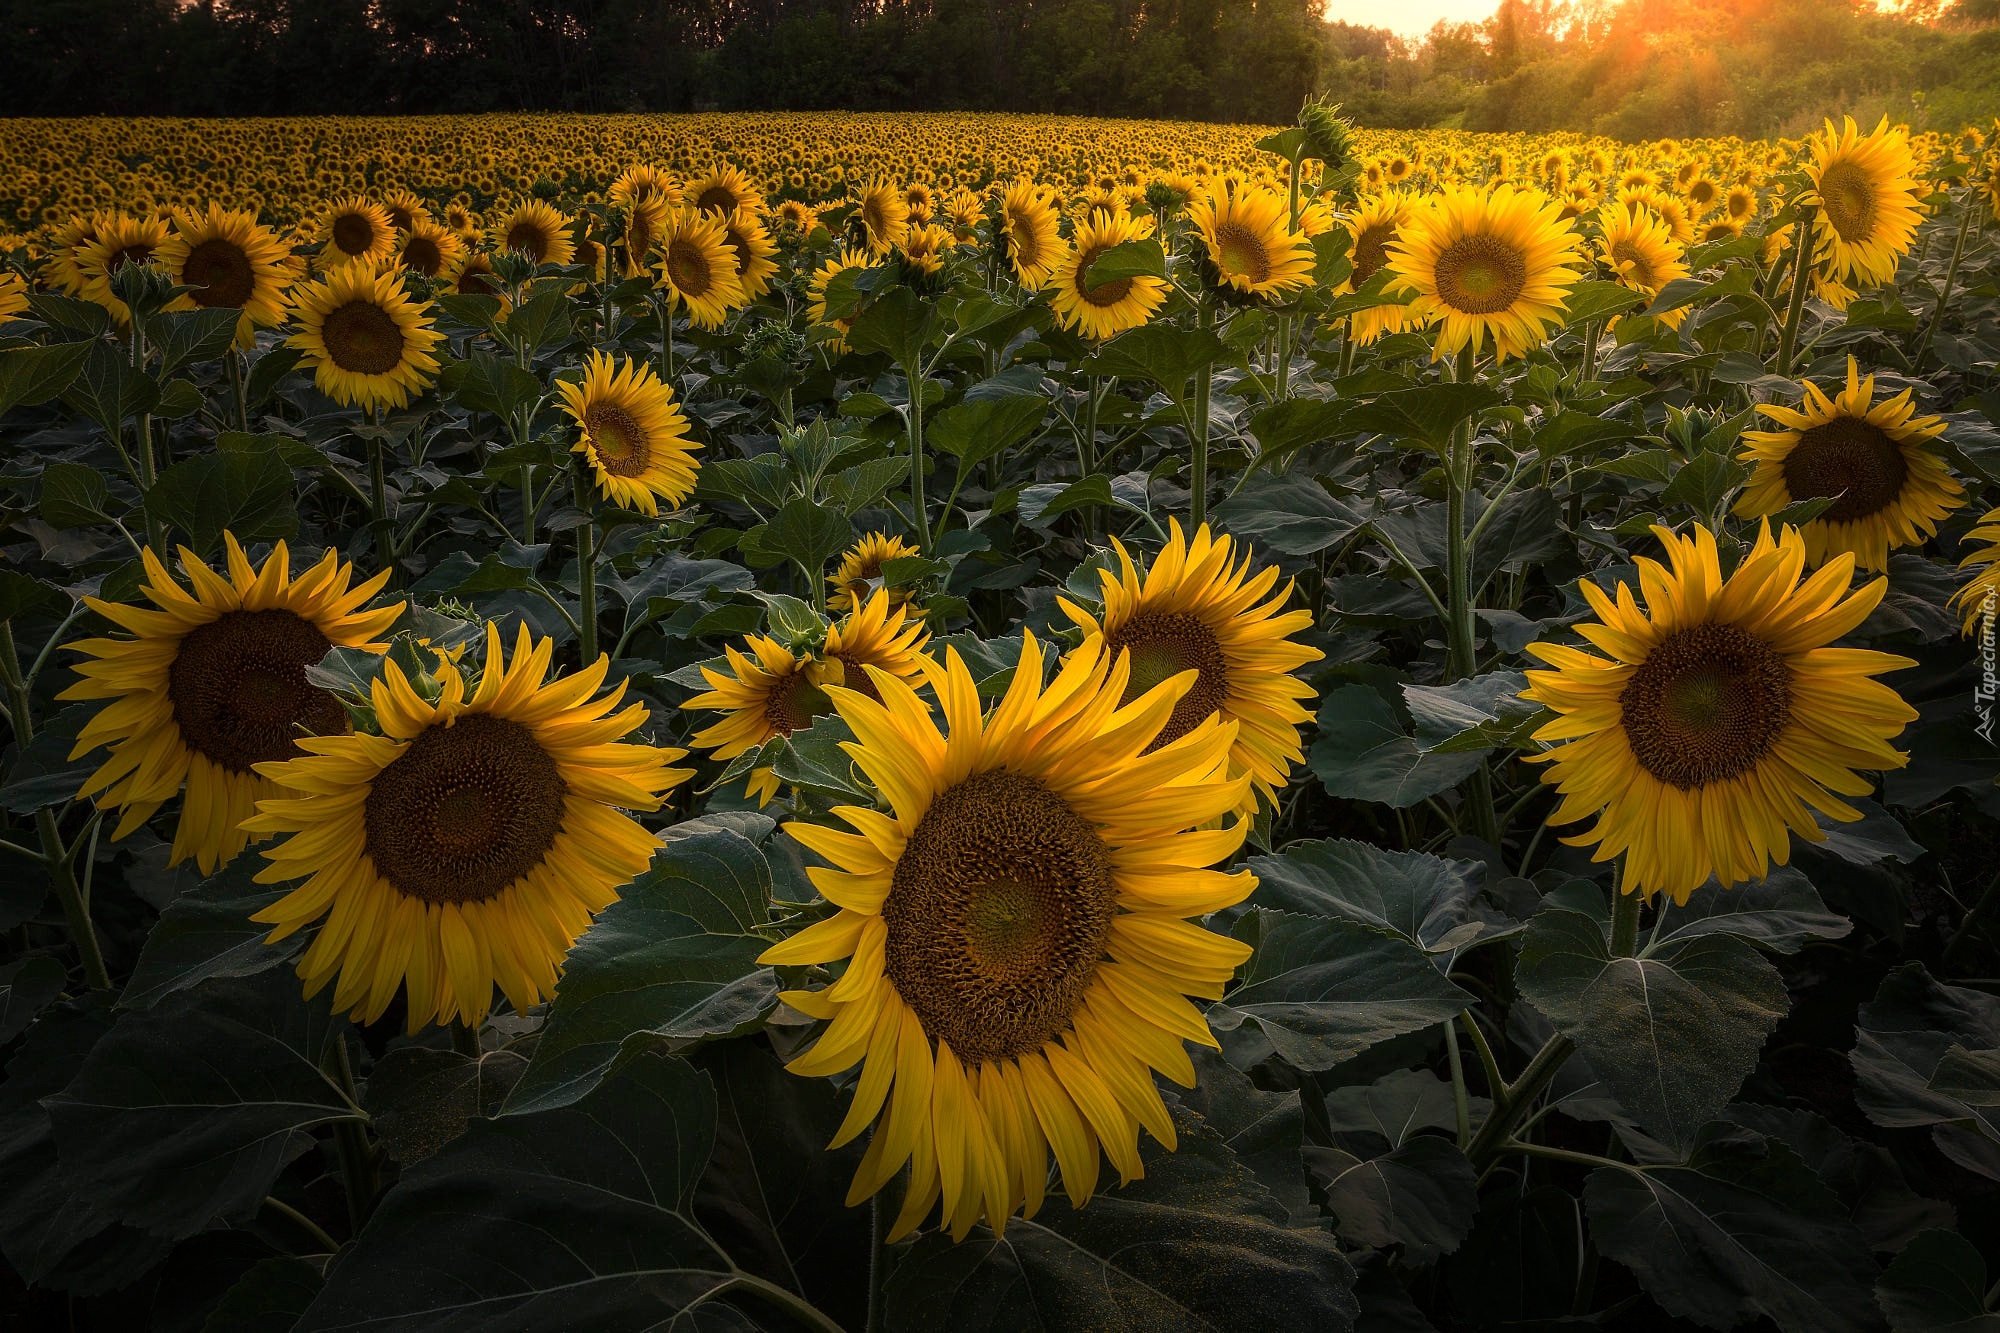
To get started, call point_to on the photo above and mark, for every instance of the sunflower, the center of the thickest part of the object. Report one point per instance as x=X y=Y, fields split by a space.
x=924 y=248
x=1875 y=457
x=368 y=343
x=1374 y=226
x=1031 y=231
x=797 y=218
x=1719 y=715
x=467 y=845
x=883 y=215
x=13 y=295
x=962 y=214
x=429 y=248
x=1016 y=934
x=860 y=565
x=474 y=276
x=1483 y=263
x=752 y=248
x=214 y=684
x=698 y=269
x=1719 y=229
x=1250 y=242
x=1740 y=203
x=1641 y=254
x=724 y=190
x=66 y=246
x=1978 y=602
x=1197 y=609
x=1112 y=307
x=824 y=274
x=917 y=198
x=118 y=241
x=634 y=437
x=405 y=209
x=875 y=634
x=645 y=223
x=355 y=229
x=538 y=231
x=1864 y=192
x=231 y=262
x=773 y=693
x=640 y=183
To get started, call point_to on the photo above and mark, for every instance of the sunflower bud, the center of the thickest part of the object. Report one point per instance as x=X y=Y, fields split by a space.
x=1329 y=135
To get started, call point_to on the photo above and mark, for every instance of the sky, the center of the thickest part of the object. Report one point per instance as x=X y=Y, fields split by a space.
x=1412 y=18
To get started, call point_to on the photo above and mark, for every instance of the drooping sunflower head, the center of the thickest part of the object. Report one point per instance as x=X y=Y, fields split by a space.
x=1251 y=246
x=429 y=248
x=66 y=246
x=1864 y=191
x=368 y=343
x=824 y=274
x=117 y=240
x=923 y=251
x=771 y=692
x=632 y=434
x=1199 y=608
x=468 y=844
x=537 y=230
x=1104 y=309
x=1030 y=228
x=1373 y=227
x=13 y=295
x=1718 y=717
x=354 y=229
x=405 y=209
x=724 y=190
x=646 y=221
x=212 y=683
x=1016 y=932
x=698 y=269
x=752 y=247
x=1889 y=487
x=643 y=182
x=882 y=215
x=1486 y=264
x=860 y=567
x=232 y=262
x=917 y=198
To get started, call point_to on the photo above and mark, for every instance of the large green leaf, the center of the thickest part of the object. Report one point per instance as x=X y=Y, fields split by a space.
x=1522 y=1261
x=1266 y=1130
x=1937 y=1285
x=185 y=1113
x=1743 y=1229
x=976 y=430
x=30 y=376
x=673 y=957
x=1424 y=899
x=1866 y=1176
x=247 y=494
x=1161 y=353
x=1782 y=912
x=809 y=534
x=1194 y=1244
x=192 y=337
x=1284 y=428
x=207 y=932
x=1421 y=1194
x=1424 y=415
x=1319 y=991
x=420 y=1098
x=579 y=1217
x=272 y=1295
x=1672 y=1034
x=1902 y=1040
x=73 y=496
x=1363 y=753
x=1292 y=514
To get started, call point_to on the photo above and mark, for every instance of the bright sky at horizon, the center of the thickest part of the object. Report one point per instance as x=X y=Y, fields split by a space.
x=1411 y=18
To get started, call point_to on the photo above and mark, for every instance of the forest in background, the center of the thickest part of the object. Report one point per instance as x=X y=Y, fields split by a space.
x=1634 y=69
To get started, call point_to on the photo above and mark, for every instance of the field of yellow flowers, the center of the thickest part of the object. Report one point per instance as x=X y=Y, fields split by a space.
x=899 y=722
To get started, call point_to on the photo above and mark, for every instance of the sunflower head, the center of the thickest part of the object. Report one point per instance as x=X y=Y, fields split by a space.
x=861 y=566
x=1864 y=196
x=13 y=295
x=631 y=433
x=1015 y=925
x=537 y=230
x=882 y=215
x=116 y=243
x=353 y=230
x=751 y=247
x=1874 y=460
x=232 y=262
x=405 y=209
x=816 y=289
x=770 y=692
x=1486 y=264
x=697 y=268
x=1718 y=719
x=1372 y=227
x=639 y=183
x=1109 y=308
x=1029 y=228
x=212 y=684
x=1251 y=247
x=470 y=842
x=368 y=343
x=724 y=190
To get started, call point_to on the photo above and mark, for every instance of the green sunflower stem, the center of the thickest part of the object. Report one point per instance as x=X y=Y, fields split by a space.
x=586 y=568
x=1788 y=341
x=1203 y=384
x=919 y=510
x=1592 y=332
x=465 y=1038
x=55 y=857
x=1461 y=1103
x=378 y=504
x=877 y=1223
x=1459 y=469
x=1625 y=909
x=156 y=536
x=1512 y=1102
x=1950 y=279
x=1086 y=451
x=357 y=1169
x=232 y=362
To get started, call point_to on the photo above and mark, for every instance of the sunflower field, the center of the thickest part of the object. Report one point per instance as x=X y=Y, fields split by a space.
x=812 y=723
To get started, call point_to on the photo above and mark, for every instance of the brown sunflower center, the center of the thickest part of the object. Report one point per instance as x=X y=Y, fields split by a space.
x=1706 y=705
x=854 y=677
x=1105 y=293
x=127 y=254
x=618 y=438
x=793 y=703
x=1242 y=253
x=1371 y=250
x=478 y=280
x=716 y=199
x=353 y=233
x=401 y=218
x=997 y=916
x=1847 y=196
x=1633 y=264
x=1480 y=274
x=1849 y=457
x=422 y=254
x=1163 y=646
x=688 y=269
x=530 y=239
x=363 y=338
x=1025 y=241
x=239 y=692
x=464 y=811
x=220 y=274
